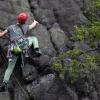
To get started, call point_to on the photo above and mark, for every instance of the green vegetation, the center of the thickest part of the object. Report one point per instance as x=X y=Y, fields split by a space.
x=74 y=65
x=97 y=3
x=89 y=34
x=91 y=9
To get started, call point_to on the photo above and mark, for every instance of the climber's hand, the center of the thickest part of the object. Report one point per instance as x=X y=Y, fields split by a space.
x=3 y=33
x=33 y=24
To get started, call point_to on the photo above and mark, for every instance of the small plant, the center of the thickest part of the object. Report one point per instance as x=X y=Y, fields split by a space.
x=75 y=53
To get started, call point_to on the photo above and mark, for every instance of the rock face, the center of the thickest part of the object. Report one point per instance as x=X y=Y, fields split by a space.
x=4 y=96
x=58 y=38
x=67 y=13
x=29 y=73
x=44 y=40
x=47 y=87
x=9 y=10
x=20 y=95
x=57 y=19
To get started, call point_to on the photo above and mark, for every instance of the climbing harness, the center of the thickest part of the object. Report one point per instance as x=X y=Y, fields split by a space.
x=19 y=45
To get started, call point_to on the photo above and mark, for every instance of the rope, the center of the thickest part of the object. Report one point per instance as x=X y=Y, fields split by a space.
x=19 y=84
x=21 y=87
x=3 y=55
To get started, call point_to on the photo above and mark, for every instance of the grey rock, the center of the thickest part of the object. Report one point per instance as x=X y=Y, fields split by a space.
x=82 y=46
x=82 y=88
x=44 y=40
x=45 y=4
x=47 y=86
x=44 y=65
x=58 y=38
x=4 y=42
x=86 y=98
x=19 y=94
x=29 y=73
x=97 y=82
x=84 y=4
x=34 y=4
x=69 y=17
x=67 y=13
x=45 y=17
x=4 y=96
x=9 y=10
x=72 y=93
x=81 y=3
x=38 y=90
x=85 y=84
x=93 y=95
x=82 y=58
x=0 y=60
x=44 y=60
x=69 y=44
x=65 y=97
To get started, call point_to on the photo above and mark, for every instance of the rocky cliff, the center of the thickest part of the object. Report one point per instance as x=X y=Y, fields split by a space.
x=57 y=19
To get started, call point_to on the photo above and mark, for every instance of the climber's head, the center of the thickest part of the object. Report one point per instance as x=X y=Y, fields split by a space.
x=22 y=18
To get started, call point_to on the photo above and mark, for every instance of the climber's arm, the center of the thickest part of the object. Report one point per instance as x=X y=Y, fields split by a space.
x=3 y=32
x=31 y=26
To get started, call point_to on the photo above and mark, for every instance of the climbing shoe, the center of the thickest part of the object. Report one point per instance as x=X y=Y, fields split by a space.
x=3 y=87
x=37 y=52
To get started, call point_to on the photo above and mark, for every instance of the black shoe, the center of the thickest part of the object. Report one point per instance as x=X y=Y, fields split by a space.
x=3 y=87
x=38 y=52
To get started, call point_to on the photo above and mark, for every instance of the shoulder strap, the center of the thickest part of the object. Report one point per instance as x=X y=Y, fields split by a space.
x=21 y=28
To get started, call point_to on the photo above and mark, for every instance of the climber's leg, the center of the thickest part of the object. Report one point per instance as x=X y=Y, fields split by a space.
x=10 y=69
x=33 y=40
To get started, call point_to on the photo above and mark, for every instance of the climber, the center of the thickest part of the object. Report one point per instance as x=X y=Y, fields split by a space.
x=17 y=35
